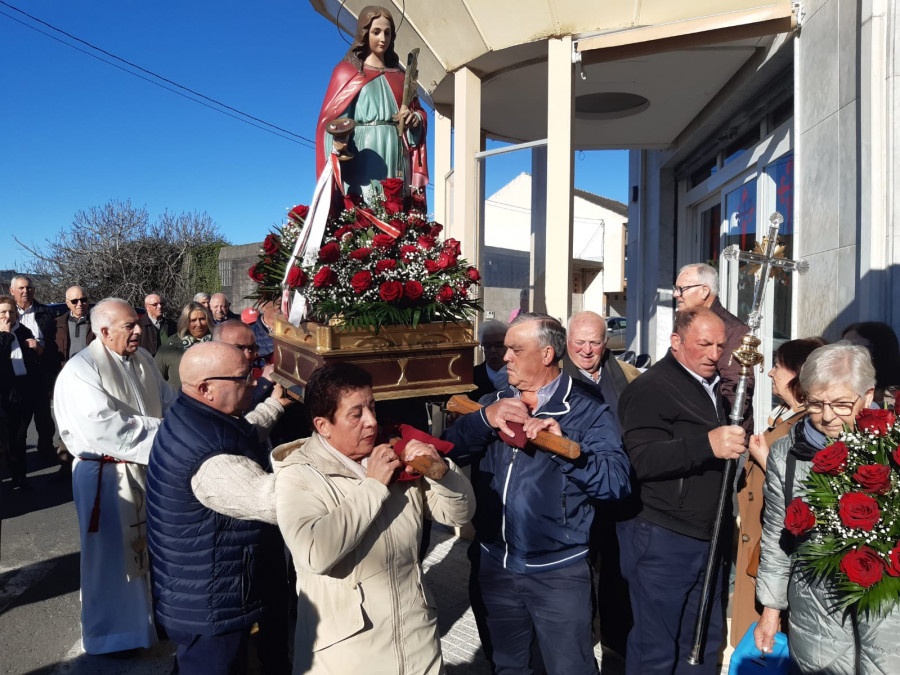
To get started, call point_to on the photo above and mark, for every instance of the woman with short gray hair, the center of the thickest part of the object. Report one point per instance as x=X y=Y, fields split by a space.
x=838 y=381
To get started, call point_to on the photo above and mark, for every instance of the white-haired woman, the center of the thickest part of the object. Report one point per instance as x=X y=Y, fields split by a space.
x=839 y=382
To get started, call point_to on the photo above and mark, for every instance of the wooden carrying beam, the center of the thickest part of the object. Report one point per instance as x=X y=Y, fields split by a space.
x=544 y=440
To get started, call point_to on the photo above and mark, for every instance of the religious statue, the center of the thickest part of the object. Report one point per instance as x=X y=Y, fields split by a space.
x=364 y=119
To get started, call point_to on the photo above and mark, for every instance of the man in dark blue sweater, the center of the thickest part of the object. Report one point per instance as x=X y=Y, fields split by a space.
x=535 y=508
x=208 y=498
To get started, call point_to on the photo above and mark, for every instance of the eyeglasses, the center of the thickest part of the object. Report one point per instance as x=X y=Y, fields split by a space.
x=679 y=290
x=246 y=379
x=78 y=301
x=838 y=407
x=253 y=349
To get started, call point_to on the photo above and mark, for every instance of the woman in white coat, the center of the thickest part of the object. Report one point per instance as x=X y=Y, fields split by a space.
x=354 y=531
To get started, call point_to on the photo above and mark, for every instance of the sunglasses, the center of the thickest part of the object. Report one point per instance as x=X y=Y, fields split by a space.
x=78 y=301
x=246 y=379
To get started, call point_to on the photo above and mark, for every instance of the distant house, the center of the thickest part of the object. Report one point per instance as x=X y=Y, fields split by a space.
x=598 y=250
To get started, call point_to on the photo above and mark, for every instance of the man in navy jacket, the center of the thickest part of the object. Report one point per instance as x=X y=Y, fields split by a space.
x=207 y=500
x=535 y=508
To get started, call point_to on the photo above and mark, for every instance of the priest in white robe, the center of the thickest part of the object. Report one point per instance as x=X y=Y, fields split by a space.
x=109 y=402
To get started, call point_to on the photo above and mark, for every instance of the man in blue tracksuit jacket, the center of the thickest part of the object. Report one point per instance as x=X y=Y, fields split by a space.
x=534 y=508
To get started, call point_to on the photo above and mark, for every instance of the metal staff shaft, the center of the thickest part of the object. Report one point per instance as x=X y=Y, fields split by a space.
x=712 y=559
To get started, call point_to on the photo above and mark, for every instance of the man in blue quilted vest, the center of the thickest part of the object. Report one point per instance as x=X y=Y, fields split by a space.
x=208 y=498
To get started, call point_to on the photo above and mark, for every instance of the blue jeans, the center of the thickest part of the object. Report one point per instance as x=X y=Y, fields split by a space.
x=554 y=605
x=664 y=571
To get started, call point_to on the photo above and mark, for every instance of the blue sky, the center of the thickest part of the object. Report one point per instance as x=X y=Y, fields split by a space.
x=77 y=132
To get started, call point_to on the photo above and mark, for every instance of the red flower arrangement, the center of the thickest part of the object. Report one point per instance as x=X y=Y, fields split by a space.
x=849 y=516
x=378 y=264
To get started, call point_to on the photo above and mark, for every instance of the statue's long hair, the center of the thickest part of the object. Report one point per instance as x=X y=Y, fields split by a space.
x=359 y=50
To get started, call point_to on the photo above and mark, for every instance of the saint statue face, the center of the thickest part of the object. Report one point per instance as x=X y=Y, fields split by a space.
x=379 y=37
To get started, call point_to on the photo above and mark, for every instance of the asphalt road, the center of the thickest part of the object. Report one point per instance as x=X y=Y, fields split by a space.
x=40 y=630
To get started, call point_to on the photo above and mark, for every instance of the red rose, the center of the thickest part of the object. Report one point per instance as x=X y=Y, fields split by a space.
x=798 y=517
x=858 y=510
x=876 y=422
x=384 y=241
x=361 y=281
x=897 y=399
x=393 y=208
x=341 y=231
x=351 y=202
x=256 y=274
x=383 y=265
x=330 y=252
x=419 y=200
x=874 y=478
x=893 y=565
x=452 y=246
x=831 y=460
x=391 y=291
x=431 y=266
x=324 y=277
x=271 y=244
x=416 y=220
x=863 y=566
x=361 y=253
x=446 y=259
x=298 y=213
x=473 y=275
x=436 y=230
x=393 y=189
x=407 y=251
x=399 y=225
x=425 y=243
x=361 y=223
x=296 y=277
x=413 y=290
x=446 y=294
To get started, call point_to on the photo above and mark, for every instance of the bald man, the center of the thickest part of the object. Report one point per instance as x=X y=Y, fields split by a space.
x=156 y=329
x=208 y=498
x=220 y=307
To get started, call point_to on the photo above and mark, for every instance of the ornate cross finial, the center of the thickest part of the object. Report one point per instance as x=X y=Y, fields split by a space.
x=766 y=258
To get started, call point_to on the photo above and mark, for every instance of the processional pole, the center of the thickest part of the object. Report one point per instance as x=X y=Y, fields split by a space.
x=767 y=257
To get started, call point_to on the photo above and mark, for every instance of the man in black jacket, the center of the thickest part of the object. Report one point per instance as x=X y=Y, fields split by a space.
x=672 y=419
x=592 y=365
x=39 y=320
x=589 y=361
x=490 y=375
x=155 y=328
x=697 y=285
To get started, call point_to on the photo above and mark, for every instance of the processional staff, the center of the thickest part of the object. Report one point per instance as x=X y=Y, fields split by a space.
x=767 y=257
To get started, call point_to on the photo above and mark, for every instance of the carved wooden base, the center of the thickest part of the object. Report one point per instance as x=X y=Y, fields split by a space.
x=429 y=360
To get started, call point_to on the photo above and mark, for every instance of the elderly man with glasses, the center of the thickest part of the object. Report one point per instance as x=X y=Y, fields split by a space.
x=208 y=501
x=697 y=285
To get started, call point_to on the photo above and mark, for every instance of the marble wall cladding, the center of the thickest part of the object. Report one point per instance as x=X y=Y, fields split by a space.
x=818 y=187
x=848 y=32
x=818 y=66
x=848 y=167
x=824 y=293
